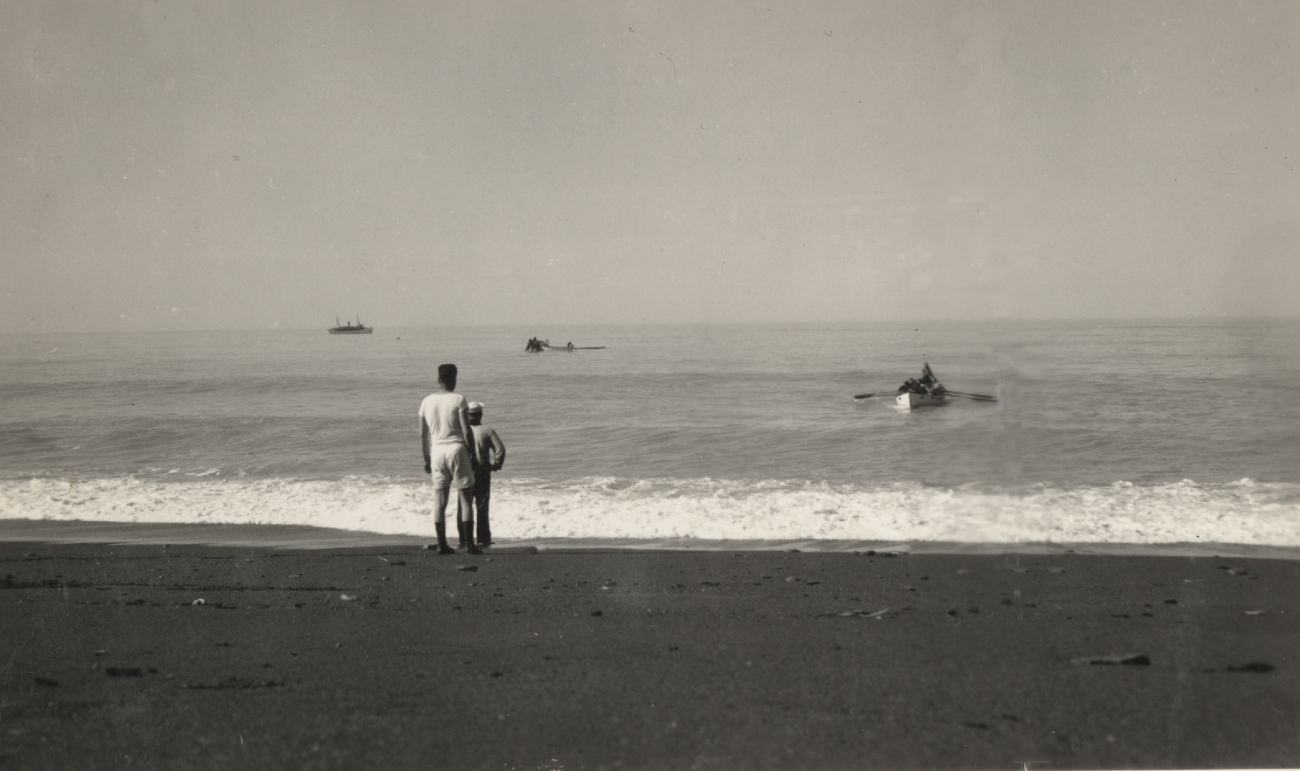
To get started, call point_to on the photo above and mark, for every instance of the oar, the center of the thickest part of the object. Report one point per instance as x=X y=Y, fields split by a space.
x=880 y=393
x=976 y=397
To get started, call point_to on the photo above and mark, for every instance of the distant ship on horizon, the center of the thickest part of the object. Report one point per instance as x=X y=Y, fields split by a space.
x=348 y=329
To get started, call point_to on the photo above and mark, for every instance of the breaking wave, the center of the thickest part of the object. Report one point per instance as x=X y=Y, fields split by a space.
x=1242 y=512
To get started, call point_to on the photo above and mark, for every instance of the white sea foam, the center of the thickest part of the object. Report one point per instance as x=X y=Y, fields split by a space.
x=1243 y=512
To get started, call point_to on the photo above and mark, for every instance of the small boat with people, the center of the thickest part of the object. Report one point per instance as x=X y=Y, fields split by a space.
x=925 y=391
x=348 y=329
x=537 y=346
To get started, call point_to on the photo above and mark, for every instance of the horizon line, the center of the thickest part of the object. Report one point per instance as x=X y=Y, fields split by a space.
x=855 y=322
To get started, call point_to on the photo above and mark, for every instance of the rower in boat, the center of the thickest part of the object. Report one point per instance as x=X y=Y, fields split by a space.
x=927 y=384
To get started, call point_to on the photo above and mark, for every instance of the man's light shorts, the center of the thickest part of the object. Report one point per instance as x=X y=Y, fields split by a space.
x=450 y=466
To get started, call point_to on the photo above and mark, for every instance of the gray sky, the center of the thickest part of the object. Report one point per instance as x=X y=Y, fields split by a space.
x=169 y=165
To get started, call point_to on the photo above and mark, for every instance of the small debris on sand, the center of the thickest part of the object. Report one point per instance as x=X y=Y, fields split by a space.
x=876 y=614
x=1129 y=659
x=468 y=568
x=47 y=682
x=199 y=601
x=347 y=598
x=235 y=683
x=123 y=671
x=1259 y=667
x=1256 y=612
x=597 y=613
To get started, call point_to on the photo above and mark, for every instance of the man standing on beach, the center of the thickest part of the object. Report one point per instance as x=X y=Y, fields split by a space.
x=447 y=440
x=491 y=454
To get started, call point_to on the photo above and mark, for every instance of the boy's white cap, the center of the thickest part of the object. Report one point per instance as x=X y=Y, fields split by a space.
x=475 y=407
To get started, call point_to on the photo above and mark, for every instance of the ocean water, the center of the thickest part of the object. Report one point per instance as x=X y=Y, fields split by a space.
x=1135 y=432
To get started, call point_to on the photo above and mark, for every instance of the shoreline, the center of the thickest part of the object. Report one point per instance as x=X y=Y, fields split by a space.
x=309 y=537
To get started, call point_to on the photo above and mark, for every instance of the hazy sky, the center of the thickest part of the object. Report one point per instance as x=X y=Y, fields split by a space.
x=172 y=165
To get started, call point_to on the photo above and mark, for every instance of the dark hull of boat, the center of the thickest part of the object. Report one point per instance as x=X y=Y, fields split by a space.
x=352 y=331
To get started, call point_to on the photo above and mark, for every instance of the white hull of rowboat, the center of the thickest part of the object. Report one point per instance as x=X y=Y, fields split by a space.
x=909 y=400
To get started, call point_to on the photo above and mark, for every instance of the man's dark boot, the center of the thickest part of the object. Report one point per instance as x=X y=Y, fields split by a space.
x=484 y=530
x=443 y=547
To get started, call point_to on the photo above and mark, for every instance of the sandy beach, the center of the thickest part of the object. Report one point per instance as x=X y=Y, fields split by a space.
x=180 y=656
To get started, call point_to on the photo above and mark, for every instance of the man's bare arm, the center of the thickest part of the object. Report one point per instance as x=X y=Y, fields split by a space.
x=424 y=445
x=498 y=449
x=469 y=434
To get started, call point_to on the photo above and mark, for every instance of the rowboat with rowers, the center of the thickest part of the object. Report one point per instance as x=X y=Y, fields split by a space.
x=925 y=391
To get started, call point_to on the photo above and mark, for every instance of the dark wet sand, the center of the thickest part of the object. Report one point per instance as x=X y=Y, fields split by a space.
x=641 y=660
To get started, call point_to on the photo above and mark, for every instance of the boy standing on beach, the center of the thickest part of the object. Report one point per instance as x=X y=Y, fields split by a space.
x=491 y=454
x=447 y=440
